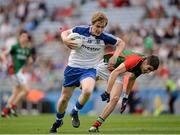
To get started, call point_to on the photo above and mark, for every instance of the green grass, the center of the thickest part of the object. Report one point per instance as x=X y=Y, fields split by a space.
x=115 y=124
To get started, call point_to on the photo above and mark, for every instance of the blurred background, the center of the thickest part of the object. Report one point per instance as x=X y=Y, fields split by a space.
x=147 y=26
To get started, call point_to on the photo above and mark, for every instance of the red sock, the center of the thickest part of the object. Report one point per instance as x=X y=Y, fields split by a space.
x=97 y=124
x=6 y=110
x=13 y=106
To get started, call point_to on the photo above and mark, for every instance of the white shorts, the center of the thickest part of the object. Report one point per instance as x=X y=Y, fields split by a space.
x=104 y=73
x=20 y=78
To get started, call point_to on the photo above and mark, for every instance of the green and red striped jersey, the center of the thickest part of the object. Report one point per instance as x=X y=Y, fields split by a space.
x=132 y=60
x=19 y=57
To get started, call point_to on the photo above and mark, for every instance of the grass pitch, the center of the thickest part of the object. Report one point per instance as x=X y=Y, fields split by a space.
x=115 y=124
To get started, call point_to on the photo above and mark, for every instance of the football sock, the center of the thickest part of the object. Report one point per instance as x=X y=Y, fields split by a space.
x=98 y=122
x=76 y=108
x=13 y=106
x=6 y=110
x=59 y=117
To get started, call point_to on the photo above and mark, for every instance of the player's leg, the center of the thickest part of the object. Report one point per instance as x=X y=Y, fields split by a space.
x=23 y=93
x=87 y=88
x=23 y=88
x=7 y=109
x=114 y=98
x=64 y=99
x=16 y=91
x=61 y=107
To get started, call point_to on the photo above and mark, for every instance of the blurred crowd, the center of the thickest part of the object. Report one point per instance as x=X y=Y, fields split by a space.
x=16 y=15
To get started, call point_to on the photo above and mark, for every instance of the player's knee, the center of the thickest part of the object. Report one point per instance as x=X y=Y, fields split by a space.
x=87 y=93
x=26 y=93
x=114 y=100
x=64 y=99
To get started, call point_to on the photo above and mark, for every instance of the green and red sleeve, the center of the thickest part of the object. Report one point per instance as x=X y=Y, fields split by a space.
x=129 y=58
x=132 y=60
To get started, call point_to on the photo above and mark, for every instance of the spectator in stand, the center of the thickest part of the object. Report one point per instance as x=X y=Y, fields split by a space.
x=164 y=52
x=48 y=36
x=121 y=3
x=178 y=84
x=175 y=3
x=148 y=44
x=177 y=53
x=169 y=33
x=5 y=28
x=171 y=89
x=22 y=9
x=163 y=71
x=155 y=12
x=103 y=3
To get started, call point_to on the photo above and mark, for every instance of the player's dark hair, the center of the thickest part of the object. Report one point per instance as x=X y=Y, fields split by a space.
x=153 y=61
x=23 y=31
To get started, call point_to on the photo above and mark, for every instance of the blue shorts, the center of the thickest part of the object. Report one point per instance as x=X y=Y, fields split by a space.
x=73 y=76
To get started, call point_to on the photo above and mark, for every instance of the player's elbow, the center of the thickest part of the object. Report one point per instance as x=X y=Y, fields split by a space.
x=115 y=73
x=3 y=57
x=63 y=35
x=121 y=44
x=119 y=70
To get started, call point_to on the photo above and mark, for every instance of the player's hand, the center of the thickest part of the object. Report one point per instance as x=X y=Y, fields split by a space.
x=105 y=96
x=70 y=43
x=111 y=63
x=124 y=104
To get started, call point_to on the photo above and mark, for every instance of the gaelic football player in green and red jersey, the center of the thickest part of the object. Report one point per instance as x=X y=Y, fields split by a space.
x=128 y=61
x=21 y=58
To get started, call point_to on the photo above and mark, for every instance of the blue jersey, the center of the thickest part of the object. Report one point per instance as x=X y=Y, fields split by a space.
x=92 y=50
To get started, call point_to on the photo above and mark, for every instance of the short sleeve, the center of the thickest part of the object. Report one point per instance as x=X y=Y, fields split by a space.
x=80 y=29
x=110 y=39
x=131 y=61
x=76 y=29
x=33 y=53
x=12 y=50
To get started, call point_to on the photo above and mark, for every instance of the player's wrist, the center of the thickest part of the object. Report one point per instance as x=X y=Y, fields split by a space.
x=105 y=96
x=115 y=56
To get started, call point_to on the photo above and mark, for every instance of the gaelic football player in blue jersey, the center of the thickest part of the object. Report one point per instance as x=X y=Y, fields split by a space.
x=81 y=65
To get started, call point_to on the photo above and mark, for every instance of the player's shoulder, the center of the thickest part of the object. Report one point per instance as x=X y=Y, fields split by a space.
x=107 y=35
x=134 y=57
x=82 y=26
x=16 y=45
x=108 y=38
x=81 y=29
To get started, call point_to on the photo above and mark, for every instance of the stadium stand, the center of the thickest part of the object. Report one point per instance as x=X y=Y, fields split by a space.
x=135 y=22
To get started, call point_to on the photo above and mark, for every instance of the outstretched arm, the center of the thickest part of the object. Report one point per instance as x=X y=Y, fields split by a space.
x=113 y=76
x=119 y=48
x=4 y=63
x=130 y=84
x=4 y=57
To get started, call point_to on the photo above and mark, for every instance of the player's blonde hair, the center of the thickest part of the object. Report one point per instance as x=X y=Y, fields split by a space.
x=99 y=16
